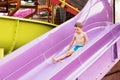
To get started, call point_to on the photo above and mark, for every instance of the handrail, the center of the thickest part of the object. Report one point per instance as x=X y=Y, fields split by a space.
x=9 y=1
x=17 y=7
x=64 y=3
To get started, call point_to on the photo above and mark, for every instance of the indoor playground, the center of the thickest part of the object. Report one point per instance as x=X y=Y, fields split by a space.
x=32 y=32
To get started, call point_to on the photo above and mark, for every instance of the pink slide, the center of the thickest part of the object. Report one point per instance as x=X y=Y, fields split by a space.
x=33 y=61
x=23 y=13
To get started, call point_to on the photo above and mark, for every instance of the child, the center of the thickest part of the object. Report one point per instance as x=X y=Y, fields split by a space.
x=79 y=37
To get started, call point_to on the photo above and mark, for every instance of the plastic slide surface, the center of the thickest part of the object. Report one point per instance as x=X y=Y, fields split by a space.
x=33 y=61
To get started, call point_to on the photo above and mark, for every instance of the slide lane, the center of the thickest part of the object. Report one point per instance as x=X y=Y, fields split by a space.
x=39 y=52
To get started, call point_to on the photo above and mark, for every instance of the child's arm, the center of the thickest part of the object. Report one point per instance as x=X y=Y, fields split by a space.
x=71 y=43
x=86 y=37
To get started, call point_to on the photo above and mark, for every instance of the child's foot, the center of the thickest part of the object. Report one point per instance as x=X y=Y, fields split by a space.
x=54 y=60
x=61 y=61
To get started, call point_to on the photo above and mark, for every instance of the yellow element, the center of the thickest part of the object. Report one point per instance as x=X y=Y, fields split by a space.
x=1 y=53
x=15 y=35
x=64 y=3
x=57 y=6
x=16 y=32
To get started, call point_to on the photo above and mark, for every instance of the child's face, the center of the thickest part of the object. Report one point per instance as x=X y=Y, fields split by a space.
x=77 y=29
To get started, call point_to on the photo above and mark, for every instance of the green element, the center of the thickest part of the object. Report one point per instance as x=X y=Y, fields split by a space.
x=16 y=32
x=1 y=53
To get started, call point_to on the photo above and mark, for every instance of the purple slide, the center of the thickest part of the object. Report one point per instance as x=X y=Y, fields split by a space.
x=33 y=61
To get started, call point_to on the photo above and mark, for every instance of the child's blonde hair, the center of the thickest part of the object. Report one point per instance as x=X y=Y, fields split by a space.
x=78 y=24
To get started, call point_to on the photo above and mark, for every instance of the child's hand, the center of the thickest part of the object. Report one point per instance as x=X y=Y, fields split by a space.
x=68 y=49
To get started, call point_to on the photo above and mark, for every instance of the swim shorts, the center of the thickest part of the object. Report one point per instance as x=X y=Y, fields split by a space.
x=77 y=47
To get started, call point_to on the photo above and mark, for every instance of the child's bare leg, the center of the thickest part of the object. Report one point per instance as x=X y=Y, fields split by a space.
x=59 y=58
x=63 y=56
x=70 y=52
x=54 y=60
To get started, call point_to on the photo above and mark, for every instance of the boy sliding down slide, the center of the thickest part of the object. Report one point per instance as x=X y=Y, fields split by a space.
x=79 y=37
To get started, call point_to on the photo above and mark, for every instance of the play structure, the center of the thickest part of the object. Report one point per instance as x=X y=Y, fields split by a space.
x=23 y=9
x=12 y=6
x=34 y=9
x=33 y=60
x=17 y=32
